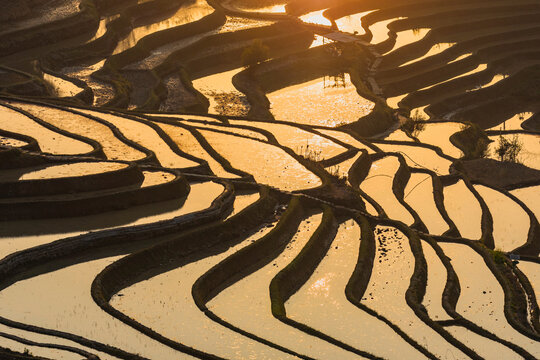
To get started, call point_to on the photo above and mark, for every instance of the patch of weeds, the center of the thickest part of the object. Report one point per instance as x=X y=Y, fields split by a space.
x=498 y=256
x=310 y=154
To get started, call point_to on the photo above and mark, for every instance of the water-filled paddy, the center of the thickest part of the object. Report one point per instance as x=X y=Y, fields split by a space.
x=378 y=185
x=481 y=299
x=48 y=140
x=321 y=302
x=330 y=101
x=185 y=14
x=152 y=145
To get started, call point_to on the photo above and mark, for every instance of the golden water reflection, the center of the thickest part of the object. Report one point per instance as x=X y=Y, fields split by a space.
x=330 y=101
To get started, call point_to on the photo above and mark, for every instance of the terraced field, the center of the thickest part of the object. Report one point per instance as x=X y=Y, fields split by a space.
x=350 y=196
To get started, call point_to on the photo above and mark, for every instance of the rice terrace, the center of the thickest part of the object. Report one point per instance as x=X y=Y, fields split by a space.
x=269 y=179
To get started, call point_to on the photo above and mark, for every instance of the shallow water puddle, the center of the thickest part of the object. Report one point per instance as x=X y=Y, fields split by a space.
x=419 y=195
x=330 y=101
x=48 y=140
x=420 y=113
x=463 y=209
x=482 y=298
x=393 y=102
x=273 y=166
x=378 y=185
x=510 y=222
x=493 y=81
x=319 y=40
x=321 y=303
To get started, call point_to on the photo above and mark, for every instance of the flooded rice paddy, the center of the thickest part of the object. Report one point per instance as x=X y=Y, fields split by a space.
x=269 y=180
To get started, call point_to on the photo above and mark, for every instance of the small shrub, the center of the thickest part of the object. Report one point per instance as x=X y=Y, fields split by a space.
x=508 y=150
x=414 y=125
